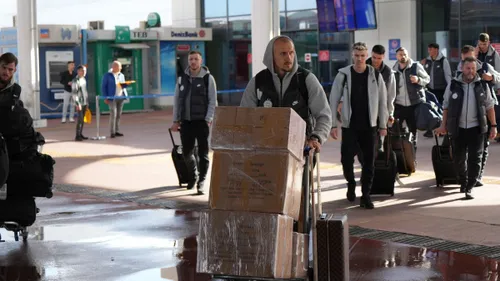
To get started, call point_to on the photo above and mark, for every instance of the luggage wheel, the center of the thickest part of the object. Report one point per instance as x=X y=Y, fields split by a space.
x=24 y=234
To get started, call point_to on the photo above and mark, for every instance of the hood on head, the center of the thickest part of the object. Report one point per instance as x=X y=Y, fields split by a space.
x=268 y=60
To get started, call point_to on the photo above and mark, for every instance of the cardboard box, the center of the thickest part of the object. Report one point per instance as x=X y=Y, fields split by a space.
x=240 y=128
x=300 y=255
x=256 y=181
x=245 y=244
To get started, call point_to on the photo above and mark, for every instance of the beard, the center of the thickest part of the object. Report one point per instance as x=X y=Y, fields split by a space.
x=403 y=60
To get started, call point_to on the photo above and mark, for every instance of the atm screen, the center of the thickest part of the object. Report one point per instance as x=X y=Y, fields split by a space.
x=55 y=69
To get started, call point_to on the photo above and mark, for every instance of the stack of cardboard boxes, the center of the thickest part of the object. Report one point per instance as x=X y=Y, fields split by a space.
x=255 y=195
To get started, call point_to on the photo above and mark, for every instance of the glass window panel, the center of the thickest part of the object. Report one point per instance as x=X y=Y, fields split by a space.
x=214 y=8
x=240 y=27
x=217 y=23
x=282 y=5
x=240 y=7
x=292 y=5
x=302 y=20
x=282 y=20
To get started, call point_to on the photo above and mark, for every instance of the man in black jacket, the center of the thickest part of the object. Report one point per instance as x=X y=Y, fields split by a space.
x=66 y=80
x=377 y=61
x=9 y=90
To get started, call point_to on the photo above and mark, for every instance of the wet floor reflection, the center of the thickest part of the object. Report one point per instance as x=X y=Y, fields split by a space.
x=145 y=245
x=372 y=260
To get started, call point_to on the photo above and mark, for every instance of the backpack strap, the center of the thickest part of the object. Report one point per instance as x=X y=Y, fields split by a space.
x=206 y=80
x=302 y=74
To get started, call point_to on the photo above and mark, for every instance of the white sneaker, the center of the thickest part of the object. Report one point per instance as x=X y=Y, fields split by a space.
x=63 y=121
x=71 y=120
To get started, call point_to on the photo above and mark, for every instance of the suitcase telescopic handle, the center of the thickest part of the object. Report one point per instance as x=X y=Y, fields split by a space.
x=171 y=136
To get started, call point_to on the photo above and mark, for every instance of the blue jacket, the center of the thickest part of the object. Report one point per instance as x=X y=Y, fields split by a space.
x=108 y=88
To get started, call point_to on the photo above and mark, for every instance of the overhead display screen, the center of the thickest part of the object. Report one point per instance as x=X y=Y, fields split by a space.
x=345 y=15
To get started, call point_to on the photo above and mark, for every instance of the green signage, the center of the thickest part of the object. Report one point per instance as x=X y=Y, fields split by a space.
x=122 y=34
x=154 y=20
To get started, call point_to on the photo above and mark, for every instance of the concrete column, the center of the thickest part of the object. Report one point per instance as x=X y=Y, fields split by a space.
x=27 y=44
x=265 y=25
x=186 y=13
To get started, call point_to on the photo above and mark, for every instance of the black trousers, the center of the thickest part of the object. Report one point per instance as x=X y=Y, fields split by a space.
x=365 y=141
x=407 y=113
x=485 y=152
x=467 y=153
x=79 y=121
x=198 y=131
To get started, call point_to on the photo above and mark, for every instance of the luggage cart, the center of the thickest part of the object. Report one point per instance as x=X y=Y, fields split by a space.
x=311 y=210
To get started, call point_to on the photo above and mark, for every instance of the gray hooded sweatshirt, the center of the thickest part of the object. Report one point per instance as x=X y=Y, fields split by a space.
x=212 y=96
x=318 y=103
x=446 y=68
x=468 y=116
x=491 y=70
x=403 y=97
x=377 y=98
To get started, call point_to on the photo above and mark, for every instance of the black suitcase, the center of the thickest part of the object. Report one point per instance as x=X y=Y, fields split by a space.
x=31 y=176
x=332 y=247
x=442 y=162
x=179 y=163
x=20 y=210
x=385 y=170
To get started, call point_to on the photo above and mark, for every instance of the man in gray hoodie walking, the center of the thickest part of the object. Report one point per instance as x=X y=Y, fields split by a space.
x=468 y=105
x=410 y=90
x=194 y=107
x=285 y=84
x=364 y=107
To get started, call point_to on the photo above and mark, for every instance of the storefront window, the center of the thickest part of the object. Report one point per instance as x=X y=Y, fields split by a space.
x=215 y=8
x=239 y=7
x=302 y=20
x=292 y=5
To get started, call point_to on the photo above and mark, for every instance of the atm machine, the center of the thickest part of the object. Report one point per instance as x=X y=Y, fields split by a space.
x=58 y=44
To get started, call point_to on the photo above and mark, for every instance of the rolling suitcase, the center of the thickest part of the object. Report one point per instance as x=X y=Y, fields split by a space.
x=330 y=236
x=179 y=163
x=21 y=210
x=442 y=162
x=403 y=148
x=16 y=214
x=385 y=170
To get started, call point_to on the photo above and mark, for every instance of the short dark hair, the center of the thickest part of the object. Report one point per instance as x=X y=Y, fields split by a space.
x=195 y=52
x=484 y=37
x=70 y=62
x=80 y=67
x=469 y=59
x=467 y=49
x=8 y=58
x=433 y=45
x=378 y=49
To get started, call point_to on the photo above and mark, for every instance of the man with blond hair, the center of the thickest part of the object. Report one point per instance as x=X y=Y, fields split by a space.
x=361 y=119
